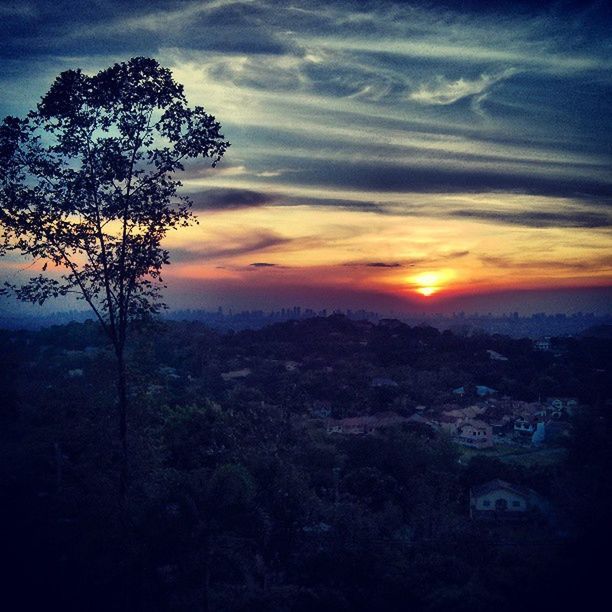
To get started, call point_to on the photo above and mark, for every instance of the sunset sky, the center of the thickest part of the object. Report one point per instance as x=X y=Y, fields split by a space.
x=387 y=155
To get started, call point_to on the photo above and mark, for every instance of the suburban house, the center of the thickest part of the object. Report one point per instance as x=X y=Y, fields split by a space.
x=542 y=345
x=474 y=433
x=500 y=500
x=235 y=374
x=352 y=425
x=469 y=412
x=362 y=425
x=526 y=424
x=484 y=391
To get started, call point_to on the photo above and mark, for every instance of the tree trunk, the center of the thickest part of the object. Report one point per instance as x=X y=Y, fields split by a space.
x=122 y=407
x=206 y=578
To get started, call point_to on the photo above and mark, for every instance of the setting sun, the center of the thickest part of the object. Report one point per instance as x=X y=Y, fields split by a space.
x=428 y=283
x=427 y=291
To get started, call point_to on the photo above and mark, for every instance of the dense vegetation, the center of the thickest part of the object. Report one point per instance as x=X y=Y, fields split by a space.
x=239 y=501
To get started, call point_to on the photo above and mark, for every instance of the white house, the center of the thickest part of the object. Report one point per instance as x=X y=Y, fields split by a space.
x=475 y=433
x=500 y=500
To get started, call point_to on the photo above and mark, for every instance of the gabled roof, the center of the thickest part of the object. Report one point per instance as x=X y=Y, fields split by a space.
x=494 y=485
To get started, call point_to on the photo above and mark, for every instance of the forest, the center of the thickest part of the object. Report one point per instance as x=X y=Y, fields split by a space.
x=239 y=499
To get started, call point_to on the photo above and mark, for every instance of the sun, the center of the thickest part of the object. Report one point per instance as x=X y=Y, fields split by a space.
x=429 y=283
x=427 y=291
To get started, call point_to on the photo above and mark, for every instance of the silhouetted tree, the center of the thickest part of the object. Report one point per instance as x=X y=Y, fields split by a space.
x=88 y=192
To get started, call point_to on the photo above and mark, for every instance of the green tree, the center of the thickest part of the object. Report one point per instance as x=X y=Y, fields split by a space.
x=88 y=192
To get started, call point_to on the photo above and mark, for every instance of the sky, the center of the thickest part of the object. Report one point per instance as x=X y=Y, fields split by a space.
x=404 y=156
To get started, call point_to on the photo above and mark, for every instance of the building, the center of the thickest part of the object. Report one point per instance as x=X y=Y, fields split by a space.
x=528 y=422
x=542 y=345
x=362 y=425
x=484 y=391
x=475 y=433
x=235 y=374
x=500 y=500
x=353 y=426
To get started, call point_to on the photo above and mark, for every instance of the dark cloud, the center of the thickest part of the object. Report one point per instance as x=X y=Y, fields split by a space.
x=229 y=199
x=386 y=177
x=231 y=246
x=137 y=27
x=382 y=264
x=585 y=219
x=345 y=204
x=263 y=264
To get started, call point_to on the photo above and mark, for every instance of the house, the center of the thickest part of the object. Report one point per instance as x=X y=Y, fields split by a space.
x=500 y=500
x=168 y=372
x=484 y=391
x=469 y=412
x=352 y=426
x=291 y=366
x=362 y=425
x=526 y=424
x=387 y=419
x=235 y=374
x=475 y=433
x=420 y=420
x=542 y=345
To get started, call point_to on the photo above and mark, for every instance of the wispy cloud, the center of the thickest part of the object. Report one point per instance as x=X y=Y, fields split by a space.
x=231 y=246
x=382 y=264
x=444 y=91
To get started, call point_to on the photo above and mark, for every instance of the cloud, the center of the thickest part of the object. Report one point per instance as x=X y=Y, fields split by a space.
x=603 y=263
x=455 y=255
x=231 y=246
x=382 y=264
x=439 y=177
x=230 y=199
x=534 y=218
x=444 y=91
x=263 y=264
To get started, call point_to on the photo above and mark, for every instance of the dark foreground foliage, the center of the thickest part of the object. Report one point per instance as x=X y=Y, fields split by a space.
x=240 y=503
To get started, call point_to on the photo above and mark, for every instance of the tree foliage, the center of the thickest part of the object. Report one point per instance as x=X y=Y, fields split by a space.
x=88 y=186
